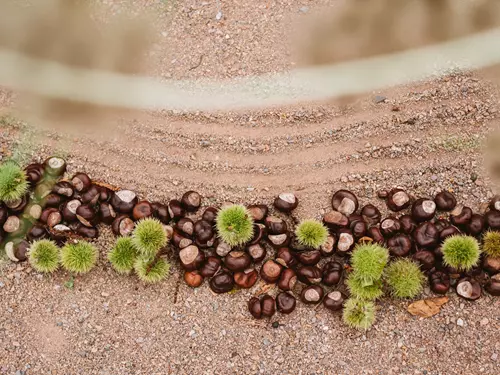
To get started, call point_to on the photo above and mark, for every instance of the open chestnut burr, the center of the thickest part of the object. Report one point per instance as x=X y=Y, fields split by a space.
x=469 y=288
x=345 y=202
x=191 y=201
x=246 y=278
x=222 y=282
x=286 y=202
x=334 y=301
x=445 y=201
x=312 y=294
x=285 y=302
x=423 y=210
x=397 y=200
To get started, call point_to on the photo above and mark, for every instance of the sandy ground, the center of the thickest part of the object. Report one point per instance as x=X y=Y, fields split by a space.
x=424 y=137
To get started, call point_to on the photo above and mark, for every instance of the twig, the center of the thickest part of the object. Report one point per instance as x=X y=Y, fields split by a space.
x=197 y=65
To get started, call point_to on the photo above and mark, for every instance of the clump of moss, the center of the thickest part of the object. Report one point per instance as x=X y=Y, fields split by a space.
x=461 y=252
x=79 y=257
x=123 y=255
x=370 y=291
x=43 y=256
x=404 y=278
x=13 y=183
x=368 y=261
x=149 y=237
x=359 y=314
x=234 y=225
x=311 y=233
x=491 y=244
x=151 y=271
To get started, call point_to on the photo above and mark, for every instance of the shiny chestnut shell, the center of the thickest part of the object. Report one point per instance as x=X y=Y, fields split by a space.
x=191 y=201
x=287 y=280
x=258 y=212
x=334 y=301
x=332 y=273
x=309 y=275
x=460 y=216
x=271 y=271
x=268 y=306
x=423 y=210
x=426 y=259
x=257 y=252
x=142 y=210
x=445 y=201
x=493 y=219
x=390 y=226
x=275 y=225
x=312 y=294
x=334 y=220
x=81 y=182
x=286 y=202
x=345 y=202
x=371 y=214
x=191 y=258
x=476 y=225
x=285 y=302
x=309 y=258
x=122 y=225
x=237 y=261
x=400 y=245
x=397 y=200
x=211 y=266
x=210 y=215
x=439 y=282
x=247 y=278
x=426 y=235
x=286 y=257
x=123 y=201
x=193 y=278
x=223 y=282
x=408 y=225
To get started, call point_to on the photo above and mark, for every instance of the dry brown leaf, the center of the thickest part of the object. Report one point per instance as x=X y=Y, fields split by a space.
x=427 y=307
x=264 y=289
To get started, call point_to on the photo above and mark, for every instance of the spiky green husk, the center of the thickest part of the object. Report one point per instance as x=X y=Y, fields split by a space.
x=404 y=278
x=43 y=256
x=311 y=233
x=359 y=314
x=461 y=252
x=79 y=257
x=368 y=262
x=491 y=244
x=234 y=225
x=151 y=273
x=13 y=183
x=123 y=255
x=364 y=291
x=149 y=237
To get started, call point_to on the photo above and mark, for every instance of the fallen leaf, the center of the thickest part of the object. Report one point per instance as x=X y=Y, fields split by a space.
x=427 y=307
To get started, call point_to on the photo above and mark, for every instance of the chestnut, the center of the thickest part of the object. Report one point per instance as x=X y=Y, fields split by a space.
x=375 y=234
x=312 y=294
x=285 y=302
x=63 y=188
x=335 y=220
x=122 y=225
x=439 y=282
x=51 y=217
x=81 y=182
x=17 y=250
x=309 y=258
x=91 y=196
x=345 y=242
x=268 y=306
x=191 y=201
x=258 y=212
x=408 y=225
x=309 y=274
x=400 y=245
x=255 y=308
x=257 y=252
x=423 y=210
x=491 y=265
x=358 y=227
x=142 y=210
x=55 y=166
x=271 y=271
x=191 y=258
x=332 y=273
x=13 y=224
x=37 y=232
x=247 y=278
x=286 y=202
x=210 y=215
x=34 y=173
x=493 y=285
x=345 y=202
x=371 y=214
x=203 y=232
x=60 y=233
x=69 y=210
x=390 y=226
x=185 y=226
x=237 y=260
x=106 y=213
x=468 y=288
x=426 y=259
x=476 y=225
x=397 y=200
x=222 y=249
x=211 y=266
x=495 y=203
x=193 y=278
x=223 y=282
x=18 y=205
x=123 y=201
x=105 y=193
x=448 y=232
x=175 y=209
x=445 y=201
x=275 y=225
x=279 y=240
x=328 y=247
x=160 y=211
x=493 y=219
x=287 y=280
x=460 y=215
x=441 y=224
x=286 y=258
x=426 y=235
x=259 y=231
x=382 y=194
x=52 y=200
x=334 y=301
x=87 y=215
x=87 y=232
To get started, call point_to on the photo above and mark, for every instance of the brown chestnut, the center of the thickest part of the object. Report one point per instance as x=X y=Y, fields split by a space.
x=55 y=166
x=122 y=225
x=286 y=258
x=309 y=274
x=309 y=258
x=493 y=285
x=257 y=252
x=193 y=278
x=203 y=231
x=211 y=266
x=390 y=226
x=91 y=196
x=448 y=232
x=460 y=215
x=358 y=227
x=17 y=250
x=426 y=235
x=271 y=271
x=175 y=209
x=285 y=302
x=81 y=182
x=268 y=306
x=397 y=200
x=493 y=219
x=279 y=240
x=13 y=224
x=142 y=210
x=87 y=232
x=191 y=201
x=375 y=234
x=286 y=202
x=476 y=225
x=328 y=247
x=439 y=282
x=18 y=205
x=185 y=226
x=345 y=202
x=491 y=265
x=345 y=242
x=237 y=260
x=34 y=173
x=223 y=282
x=59 y=233
x=255 y=308
x=87 y=215
x=51 y=217
x=287 y=280
x=53 y=200
x=445 y=201
x=312 y=294
x=69 y=210
x=180 y=240
x=37 y=232
x=423 y=210
x=106 y=213
x=426 y=259
x=275 y=225
x=441 y=224
x=400 y=245
x=123 y=201
x=63 y=188
x=222 y=249
x=332 y=273
x=468 y=288
x=259 y=231
x=247 y=278
x=258 y=212
x=191 y=258
x=334 y=301
x=160 y=211
x=495 y=203
x=371 y=214
x=335 y=219
x=408 y=225
x=105 y=194
x=210 y=215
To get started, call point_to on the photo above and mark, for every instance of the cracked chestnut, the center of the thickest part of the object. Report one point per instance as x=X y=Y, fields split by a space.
x=345 y=241
x=91 y=196
x=286 y=202
x=191 y=201
x=328 y=248
x=222 y=249
x=445 y=201
x=247 y=278
x=223 y=282
x=87 y=215
x=309 y=274
x=285 y=302
x=107 y=213
x=468 y=288
x=334 y=301
x=63 y=188
x=271 y=271
x=122 y=225
x=191 y=258
x=51 y=217
x=397 y=200
x=286 y=257
x=81 y=182
x=237 y=260
x=259 y=231
x=279 y=240
x=312 y=294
